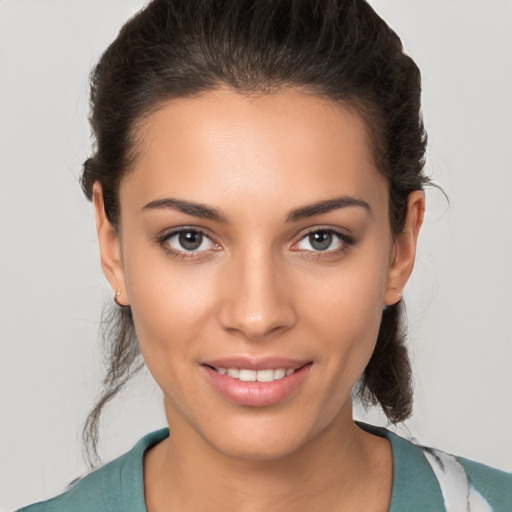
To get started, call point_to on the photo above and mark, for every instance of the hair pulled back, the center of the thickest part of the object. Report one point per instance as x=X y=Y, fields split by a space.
x=337 y=49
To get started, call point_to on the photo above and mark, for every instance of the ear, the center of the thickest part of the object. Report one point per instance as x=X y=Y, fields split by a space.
x=110 y=248
x=404 y=249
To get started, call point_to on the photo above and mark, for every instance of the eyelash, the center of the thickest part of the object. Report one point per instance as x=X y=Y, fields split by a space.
x=346 y=241
x=163 y=241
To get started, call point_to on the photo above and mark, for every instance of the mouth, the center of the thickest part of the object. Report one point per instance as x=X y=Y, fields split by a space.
x=252 y=383
x=249 y=375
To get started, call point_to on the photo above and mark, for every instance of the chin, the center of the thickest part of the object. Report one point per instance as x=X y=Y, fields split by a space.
x=264 y=448
x=263 y=437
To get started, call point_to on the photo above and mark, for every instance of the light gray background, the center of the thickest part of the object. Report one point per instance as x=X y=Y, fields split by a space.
x=51 y=289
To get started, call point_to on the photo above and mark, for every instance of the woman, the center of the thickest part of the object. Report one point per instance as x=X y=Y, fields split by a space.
x=258 y=188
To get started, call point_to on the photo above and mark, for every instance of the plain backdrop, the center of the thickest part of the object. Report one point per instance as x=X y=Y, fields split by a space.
x=52 y=291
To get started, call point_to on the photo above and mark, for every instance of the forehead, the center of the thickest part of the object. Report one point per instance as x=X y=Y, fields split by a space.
x=224 y=146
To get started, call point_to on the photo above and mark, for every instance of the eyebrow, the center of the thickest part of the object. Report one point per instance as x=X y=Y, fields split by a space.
x=188 y=207
x=326 y=206
x=207 y=212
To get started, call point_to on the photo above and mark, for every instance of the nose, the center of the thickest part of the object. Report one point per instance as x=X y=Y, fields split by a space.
x=257 y=299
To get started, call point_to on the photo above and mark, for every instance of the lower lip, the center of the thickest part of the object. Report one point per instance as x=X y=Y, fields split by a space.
x=256 y=394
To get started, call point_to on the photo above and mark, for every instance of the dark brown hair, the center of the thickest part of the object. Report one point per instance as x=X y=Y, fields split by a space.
x=337 y=49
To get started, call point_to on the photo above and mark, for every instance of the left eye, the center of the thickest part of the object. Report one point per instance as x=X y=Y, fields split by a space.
x=322 y=240
x=189 y=240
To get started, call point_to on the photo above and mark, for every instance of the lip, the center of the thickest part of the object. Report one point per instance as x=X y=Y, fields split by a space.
x=254 y=363
x=256 y=394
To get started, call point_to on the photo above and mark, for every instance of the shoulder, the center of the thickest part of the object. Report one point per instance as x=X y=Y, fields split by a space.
x=468 y=485
x=494 y=485
x=430 y=480
x=116 y=486
x=81 y=496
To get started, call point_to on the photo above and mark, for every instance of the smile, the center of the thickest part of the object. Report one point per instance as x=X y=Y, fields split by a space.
x=248 y=375
x=251 y=383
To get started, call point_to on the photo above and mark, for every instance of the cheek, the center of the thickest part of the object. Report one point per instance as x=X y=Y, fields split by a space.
x=345 y=312
x=348 y=329
x=170 y=303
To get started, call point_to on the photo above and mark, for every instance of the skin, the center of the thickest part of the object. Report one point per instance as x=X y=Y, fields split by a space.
x=258 y=287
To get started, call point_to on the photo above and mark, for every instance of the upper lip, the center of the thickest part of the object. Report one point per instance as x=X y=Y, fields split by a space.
x=255 y=363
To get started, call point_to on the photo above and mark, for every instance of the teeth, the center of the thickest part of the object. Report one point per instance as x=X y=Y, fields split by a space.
x=246 y=375
x=265 y=375
x=279 y=374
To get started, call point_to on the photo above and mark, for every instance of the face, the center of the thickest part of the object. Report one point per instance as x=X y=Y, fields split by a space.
x=256 y=254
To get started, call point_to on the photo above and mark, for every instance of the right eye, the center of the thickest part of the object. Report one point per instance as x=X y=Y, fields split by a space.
x=186 y=242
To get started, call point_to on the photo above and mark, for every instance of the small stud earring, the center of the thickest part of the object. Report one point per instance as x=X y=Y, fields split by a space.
x=399 y=294
x=116 y=295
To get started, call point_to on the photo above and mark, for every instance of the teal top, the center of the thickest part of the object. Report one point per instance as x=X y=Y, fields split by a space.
x=119 y=487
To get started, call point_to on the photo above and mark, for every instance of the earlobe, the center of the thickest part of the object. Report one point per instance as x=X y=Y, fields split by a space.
x=404 y=249
x=110 y=248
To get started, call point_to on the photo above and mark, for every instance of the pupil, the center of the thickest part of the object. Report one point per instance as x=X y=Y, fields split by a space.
x=321 y=240
x=190 y=240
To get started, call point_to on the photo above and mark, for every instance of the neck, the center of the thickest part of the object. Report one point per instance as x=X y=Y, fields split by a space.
x=342 y=468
